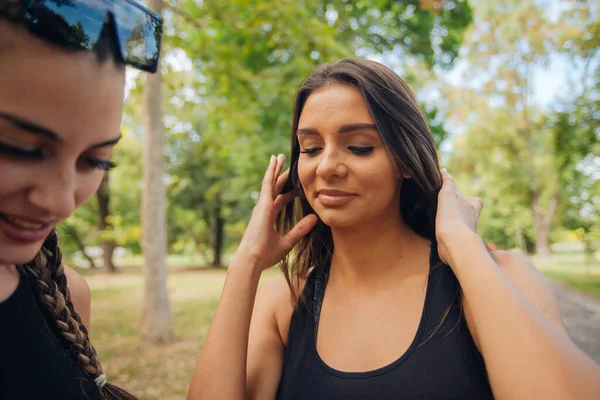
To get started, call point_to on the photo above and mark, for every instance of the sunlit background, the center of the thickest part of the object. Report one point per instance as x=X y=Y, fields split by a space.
x=510 y=89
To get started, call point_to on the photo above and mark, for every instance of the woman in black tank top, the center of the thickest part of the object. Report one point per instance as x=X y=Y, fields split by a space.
x=389 y=293
x=60 y=114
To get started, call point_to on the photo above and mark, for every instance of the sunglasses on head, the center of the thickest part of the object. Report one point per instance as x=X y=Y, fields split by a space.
x=78 y=24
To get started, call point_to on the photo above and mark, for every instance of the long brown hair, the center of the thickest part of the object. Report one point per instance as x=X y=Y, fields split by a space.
x=407 y=138
x=45 y=273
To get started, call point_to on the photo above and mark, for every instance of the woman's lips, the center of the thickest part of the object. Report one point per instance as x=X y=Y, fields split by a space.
x=24 y=230
x=330 y=198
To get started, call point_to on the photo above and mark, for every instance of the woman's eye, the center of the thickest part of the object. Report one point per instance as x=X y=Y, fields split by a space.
x=18 y=152
x=37 y=154
x=310 y=150
x=95 y=163
x=360 y=150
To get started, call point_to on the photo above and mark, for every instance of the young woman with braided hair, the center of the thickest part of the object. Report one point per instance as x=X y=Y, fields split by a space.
x=62 y=77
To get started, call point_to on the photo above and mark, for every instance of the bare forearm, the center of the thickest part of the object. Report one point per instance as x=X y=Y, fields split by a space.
x=221 y=369
x=527 y=355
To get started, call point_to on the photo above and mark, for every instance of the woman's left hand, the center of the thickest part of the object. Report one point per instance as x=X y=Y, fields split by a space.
x=456 y=216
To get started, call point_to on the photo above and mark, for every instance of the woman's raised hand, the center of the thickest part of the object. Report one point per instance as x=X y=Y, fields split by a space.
x=262 y=245
x=456 y=216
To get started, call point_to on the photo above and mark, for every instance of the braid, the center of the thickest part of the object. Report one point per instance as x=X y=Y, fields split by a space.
x=47 y=276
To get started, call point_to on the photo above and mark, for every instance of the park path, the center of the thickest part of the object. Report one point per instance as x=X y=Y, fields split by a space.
x=581 y=314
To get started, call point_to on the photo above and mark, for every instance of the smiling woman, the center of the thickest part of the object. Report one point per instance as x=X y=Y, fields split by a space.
x=60 y=115
x=388 y=292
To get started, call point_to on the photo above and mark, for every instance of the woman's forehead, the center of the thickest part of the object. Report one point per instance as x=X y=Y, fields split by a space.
x=335 y=105
x=70 y=93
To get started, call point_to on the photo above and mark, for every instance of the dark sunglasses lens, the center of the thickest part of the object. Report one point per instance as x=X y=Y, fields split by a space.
x=75 y=24
x=139 y=36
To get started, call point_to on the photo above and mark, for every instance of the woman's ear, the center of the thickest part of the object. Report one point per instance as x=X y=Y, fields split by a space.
x=403 y=173
x=289 y=185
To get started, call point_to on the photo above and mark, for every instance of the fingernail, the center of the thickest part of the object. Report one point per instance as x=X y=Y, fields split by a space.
x=272 y=159
x=444 y=169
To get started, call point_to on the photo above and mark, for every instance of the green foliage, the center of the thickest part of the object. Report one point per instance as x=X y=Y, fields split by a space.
x=80 y=229
x=520 y=158
x=125 y=192
x=231 y=109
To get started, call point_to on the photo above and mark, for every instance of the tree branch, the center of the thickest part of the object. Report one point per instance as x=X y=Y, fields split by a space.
x=199 y=24
x=551 y=209
x=75 y=235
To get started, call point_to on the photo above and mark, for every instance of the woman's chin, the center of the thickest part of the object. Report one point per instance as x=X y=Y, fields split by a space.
x=18 y=256
x=337 y=221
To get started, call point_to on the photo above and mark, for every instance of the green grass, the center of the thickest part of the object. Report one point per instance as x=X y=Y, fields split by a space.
x=569 y=267
x=589 y=284
x=153 y=372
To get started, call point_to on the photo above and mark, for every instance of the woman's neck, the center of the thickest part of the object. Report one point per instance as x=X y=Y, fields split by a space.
x=9 y=280
x=378 y=253
x=8 y=268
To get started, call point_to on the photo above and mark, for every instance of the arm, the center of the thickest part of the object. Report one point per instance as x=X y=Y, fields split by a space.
x=222 y=364
x=221 y=368
x=235 y=341
x=516 y=321
x=266 y=346
x=80 y=295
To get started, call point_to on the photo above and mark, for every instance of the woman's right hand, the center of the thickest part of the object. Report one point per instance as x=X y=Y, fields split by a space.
x=261 y=244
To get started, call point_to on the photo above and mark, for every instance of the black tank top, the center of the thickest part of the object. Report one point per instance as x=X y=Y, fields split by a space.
x=35 y=362
x=445 y=365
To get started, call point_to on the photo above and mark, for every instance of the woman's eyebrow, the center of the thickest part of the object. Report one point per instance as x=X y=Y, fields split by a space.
x=307 y=131
x=362 y=126
x=357 y=127
x=30 y=126
x=47 y=133
x=110 y=142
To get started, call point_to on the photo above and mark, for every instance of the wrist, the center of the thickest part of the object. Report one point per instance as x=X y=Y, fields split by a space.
x=460 y=244
x=247 y=263
x=458 y=236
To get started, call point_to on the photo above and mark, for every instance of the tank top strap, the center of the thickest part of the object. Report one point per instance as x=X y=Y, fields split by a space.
x=7 y=305
x=321 y=278
x=309 y=305
x=444 y=303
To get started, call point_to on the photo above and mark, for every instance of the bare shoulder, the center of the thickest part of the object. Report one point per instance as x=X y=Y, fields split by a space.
x=274 y=288
x=80 y=294
x=276 y=294
x=530 y=283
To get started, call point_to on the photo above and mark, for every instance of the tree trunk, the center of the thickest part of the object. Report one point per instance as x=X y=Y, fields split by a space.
x=108 y=246
x=588 y=251
x=520 y=240
x=157 y=324
x=541 y=224
x=108 y=249
x=218 y=234
x=542 y=244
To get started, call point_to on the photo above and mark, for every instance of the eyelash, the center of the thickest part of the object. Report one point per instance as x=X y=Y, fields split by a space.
x=360 y=151
x=105 y=165
x=91 y=162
